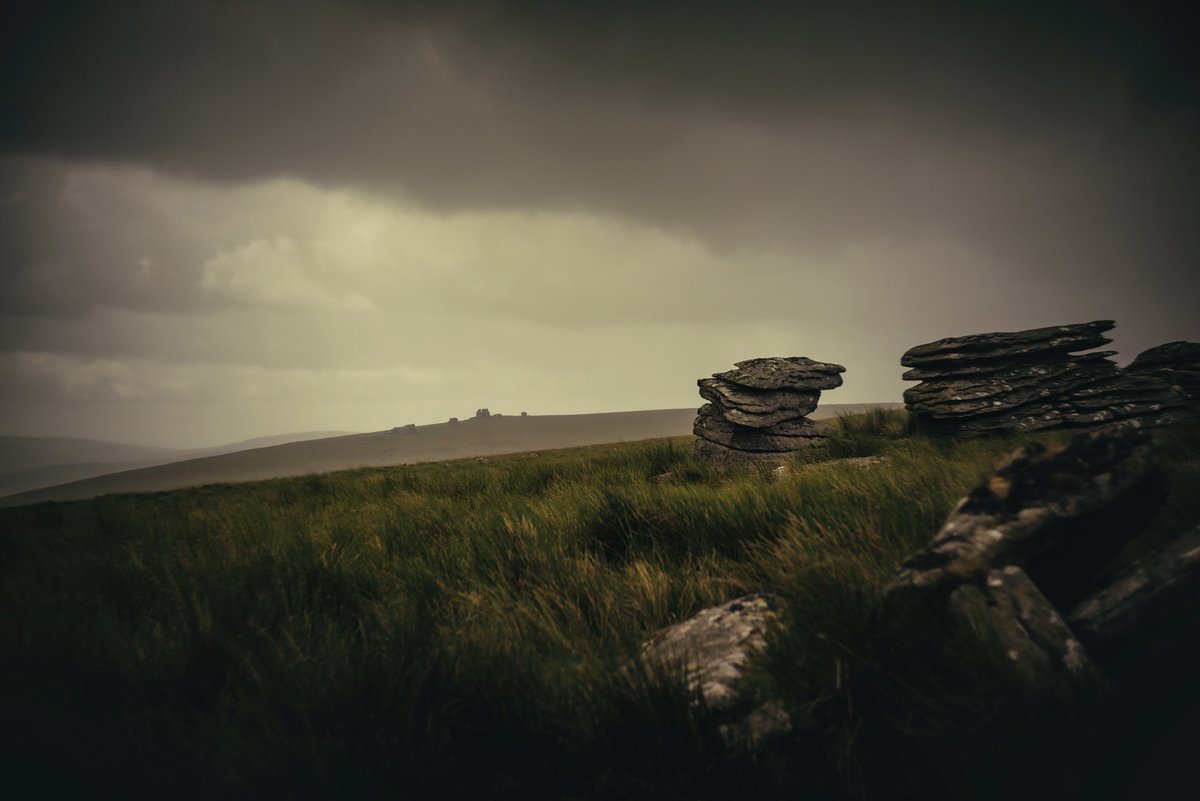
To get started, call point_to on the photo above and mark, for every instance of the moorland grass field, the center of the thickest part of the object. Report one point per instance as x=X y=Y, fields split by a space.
x=459 y=629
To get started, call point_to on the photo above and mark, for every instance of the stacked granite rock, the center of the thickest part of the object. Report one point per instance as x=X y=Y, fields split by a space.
x=760 y=410
x=1036 y=379
x=1177 y=363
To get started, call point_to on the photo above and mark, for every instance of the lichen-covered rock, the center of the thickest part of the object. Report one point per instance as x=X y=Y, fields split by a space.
x=785 y=372
x=1160 y=591
x=714 y=647
x=754 y=407
x=1007 y=388
x=982 y=348
x=721 y=455
x=1177 y=363
x=959 y=371
x=1023 y=381
x=1037 y=508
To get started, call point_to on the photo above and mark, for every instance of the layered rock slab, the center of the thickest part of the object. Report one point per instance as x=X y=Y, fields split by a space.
x=1025 y=381
x=757 y=408
x=1009 y=345
x=791 y=372
x=790 y=435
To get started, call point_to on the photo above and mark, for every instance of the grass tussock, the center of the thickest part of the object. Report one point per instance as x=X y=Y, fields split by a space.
x=459 y=629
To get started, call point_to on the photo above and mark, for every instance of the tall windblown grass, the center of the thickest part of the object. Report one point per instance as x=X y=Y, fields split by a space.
x=459 y=629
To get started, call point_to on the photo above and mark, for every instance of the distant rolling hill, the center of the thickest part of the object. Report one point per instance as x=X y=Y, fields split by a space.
x=29 y=453
x=470 y=438
x=29 y=463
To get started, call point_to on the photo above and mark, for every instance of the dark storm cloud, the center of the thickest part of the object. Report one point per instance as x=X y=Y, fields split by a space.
x=819 y=122
x=424 y=94
x=1055 y=137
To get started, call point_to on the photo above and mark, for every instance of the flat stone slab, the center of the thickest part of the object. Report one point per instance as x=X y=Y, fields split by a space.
x=960 y=371
x=714 y=453
x=1008 y=388
x=982 y=348
x=784 y=372
x=758 y=402
x=714 y=647
x=787 y=436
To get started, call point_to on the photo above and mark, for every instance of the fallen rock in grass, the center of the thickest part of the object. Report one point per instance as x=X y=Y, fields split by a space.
x=714 y=647
x=1060 y=514
x=1027 y=542
x=1160 y=592
x=1007 y=610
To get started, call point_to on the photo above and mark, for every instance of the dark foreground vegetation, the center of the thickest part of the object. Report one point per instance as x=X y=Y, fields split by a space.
x=459 y=630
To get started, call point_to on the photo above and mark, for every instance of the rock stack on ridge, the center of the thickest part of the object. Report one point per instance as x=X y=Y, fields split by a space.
x=760 y=410
x=1036 y=379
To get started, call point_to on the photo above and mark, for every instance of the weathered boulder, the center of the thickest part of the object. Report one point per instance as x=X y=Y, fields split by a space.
x=714 y=647
x=1156 y=593
x=789 y=435
x=977 y=348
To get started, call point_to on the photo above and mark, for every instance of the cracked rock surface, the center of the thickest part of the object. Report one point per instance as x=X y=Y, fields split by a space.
x=1033 y=539
x=714 y=646
x=1160 y=590
x=1038 y=504
x=1033 y=380
x=1007 y=608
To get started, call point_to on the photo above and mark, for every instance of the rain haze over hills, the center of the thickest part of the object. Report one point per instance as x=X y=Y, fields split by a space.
x=221 y=221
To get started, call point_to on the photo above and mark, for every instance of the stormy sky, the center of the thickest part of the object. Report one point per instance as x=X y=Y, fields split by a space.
x=224 y=219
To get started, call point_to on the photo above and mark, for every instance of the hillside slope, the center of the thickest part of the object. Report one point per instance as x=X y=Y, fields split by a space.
x=469 y=438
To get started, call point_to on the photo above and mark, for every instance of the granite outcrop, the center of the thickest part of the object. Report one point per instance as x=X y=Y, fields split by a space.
x=759 y=410
x=1037 y=379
